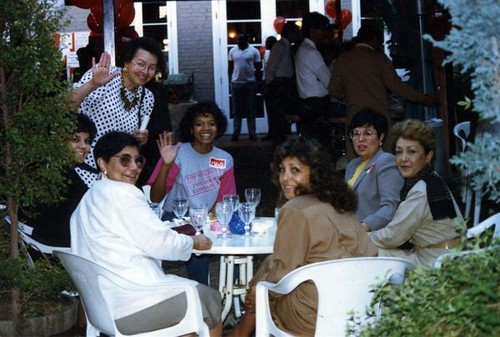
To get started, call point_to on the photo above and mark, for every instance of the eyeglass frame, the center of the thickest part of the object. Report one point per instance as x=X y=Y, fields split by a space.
x=367 y=134
x=125 y=160
x=144 y=66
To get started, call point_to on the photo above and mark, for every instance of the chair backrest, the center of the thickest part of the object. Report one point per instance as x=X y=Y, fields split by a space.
x=88 y=277
x=484 y=225
x=85 y=275
x=462 y=132
x=344 y=286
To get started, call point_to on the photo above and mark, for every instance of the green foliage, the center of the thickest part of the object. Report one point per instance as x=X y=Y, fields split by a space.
x=474 y=43
x=35 y=120
x=460 y=299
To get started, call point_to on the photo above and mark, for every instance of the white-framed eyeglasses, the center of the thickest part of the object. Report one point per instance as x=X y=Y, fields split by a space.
x=143 y=66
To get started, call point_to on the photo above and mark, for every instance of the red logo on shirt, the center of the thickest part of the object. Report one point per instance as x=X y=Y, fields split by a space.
x=217 y=163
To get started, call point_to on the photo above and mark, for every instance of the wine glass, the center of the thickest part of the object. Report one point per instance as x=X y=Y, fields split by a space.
x=224 y=212
x=253 y=195
x=234 y=199
x=180 y=207
x=198 y=218
x=246 y=212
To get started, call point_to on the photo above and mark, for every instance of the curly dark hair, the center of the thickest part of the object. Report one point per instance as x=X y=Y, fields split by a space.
x=85 y=124
x=201 y=109
x=324 y=183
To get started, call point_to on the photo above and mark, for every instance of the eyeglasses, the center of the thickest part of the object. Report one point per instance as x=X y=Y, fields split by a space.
x=143 y=66
x=126 y=159
x=368 y=134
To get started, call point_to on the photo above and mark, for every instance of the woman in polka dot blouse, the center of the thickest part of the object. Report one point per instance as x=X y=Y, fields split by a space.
x=115 y=98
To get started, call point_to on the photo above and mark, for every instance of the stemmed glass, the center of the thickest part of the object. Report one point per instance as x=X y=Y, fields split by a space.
x=198 y=218
x=224 y=212
x=247 y=214
x=253 y=195
x=234 y=199
x=180 y=207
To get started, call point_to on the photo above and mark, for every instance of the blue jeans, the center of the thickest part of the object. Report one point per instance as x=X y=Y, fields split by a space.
x=244 y=98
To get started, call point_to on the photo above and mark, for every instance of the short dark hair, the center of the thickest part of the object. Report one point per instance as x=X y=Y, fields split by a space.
x=368 y=32
x=85 y=124
x=313 y=20
x=111 y=143
x=369 y=117
x=324 y=183
x=201 y=109
x=289 y=27
x=145 y=43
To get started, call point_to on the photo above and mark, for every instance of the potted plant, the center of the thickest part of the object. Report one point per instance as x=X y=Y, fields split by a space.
x=34 y=125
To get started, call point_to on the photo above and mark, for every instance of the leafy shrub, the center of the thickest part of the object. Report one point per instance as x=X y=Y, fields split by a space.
x=460 y=299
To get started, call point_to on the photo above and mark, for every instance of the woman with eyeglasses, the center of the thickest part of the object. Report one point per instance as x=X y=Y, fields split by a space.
x=372 y=175
x=115 y=227
x=195 y=169
x=115 y=98
x=428 y=214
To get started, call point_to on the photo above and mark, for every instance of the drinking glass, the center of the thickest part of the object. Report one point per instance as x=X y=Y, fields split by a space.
x=253 y=195
x=224 y=213
x=234 y=199
x=198 y=218
x=246 y=212
x=180 y=207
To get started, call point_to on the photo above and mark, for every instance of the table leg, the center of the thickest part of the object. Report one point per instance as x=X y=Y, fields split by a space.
x=227 y=264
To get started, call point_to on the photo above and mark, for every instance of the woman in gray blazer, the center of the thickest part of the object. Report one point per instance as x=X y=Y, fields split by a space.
x=373 y=174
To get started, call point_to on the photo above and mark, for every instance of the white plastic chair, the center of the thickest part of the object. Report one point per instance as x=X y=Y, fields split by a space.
x=462 y=132
x=343 y=286
x=88 y=275
x=473 y=232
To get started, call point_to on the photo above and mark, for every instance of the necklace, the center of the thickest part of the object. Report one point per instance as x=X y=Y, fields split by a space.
x=129 y=104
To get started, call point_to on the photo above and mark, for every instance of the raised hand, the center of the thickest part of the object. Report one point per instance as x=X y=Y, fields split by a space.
x=100 y=71
x=168 y=150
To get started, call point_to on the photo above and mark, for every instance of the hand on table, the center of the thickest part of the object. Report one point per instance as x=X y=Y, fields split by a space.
x=201 y=242
x=168 y=150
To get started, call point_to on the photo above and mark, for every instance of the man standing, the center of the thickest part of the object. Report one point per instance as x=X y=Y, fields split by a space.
x=245 y=70
x=312 y=80
x=281 y=95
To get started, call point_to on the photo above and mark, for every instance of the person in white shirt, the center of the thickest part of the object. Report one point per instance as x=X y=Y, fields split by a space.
x=114 y=226
x=313 y=77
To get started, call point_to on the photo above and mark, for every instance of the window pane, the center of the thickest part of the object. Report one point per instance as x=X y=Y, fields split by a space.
x=157 y=32
x=154 y=13
x=292 y=8
x=253 y=29
x=243 y=9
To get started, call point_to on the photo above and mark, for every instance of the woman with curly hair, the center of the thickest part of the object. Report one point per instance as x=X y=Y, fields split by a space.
x=194 y=169
x=315 y=224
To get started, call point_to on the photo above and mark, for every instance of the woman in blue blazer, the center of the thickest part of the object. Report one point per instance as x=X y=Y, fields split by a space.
x=372 y=175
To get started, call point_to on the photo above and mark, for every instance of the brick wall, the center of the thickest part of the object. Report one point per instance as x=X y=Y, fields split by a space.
x=194 y=29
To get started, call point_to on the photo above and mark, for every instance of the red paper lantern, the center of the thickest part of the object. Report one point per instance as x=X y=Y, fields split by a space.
x=346 y=18
x=330 y=8
x=279 y=23
x=85 y=4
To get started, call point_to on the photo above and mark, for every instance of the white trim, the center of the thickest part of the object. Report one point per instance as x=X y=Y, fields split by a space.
x=356 y=16
x=173 y=46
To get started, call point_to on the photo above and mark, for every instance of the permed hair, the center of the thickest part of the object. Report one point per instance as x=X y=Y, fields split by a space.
x=324 y=183
x=201 y=109
x=416 y=130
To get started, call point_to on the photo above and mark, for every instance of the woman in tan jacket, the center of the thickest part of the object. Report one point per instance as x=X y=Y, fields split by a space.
x=315 y=224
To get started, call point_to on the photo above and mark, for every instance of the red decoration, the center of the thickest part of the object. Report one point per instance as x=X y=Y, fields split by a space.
x=94 y=23
x=346 y=18
x=279 y=23
x=330 y=8
x=85 y=4
x=128 y=34
x=124 y=14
